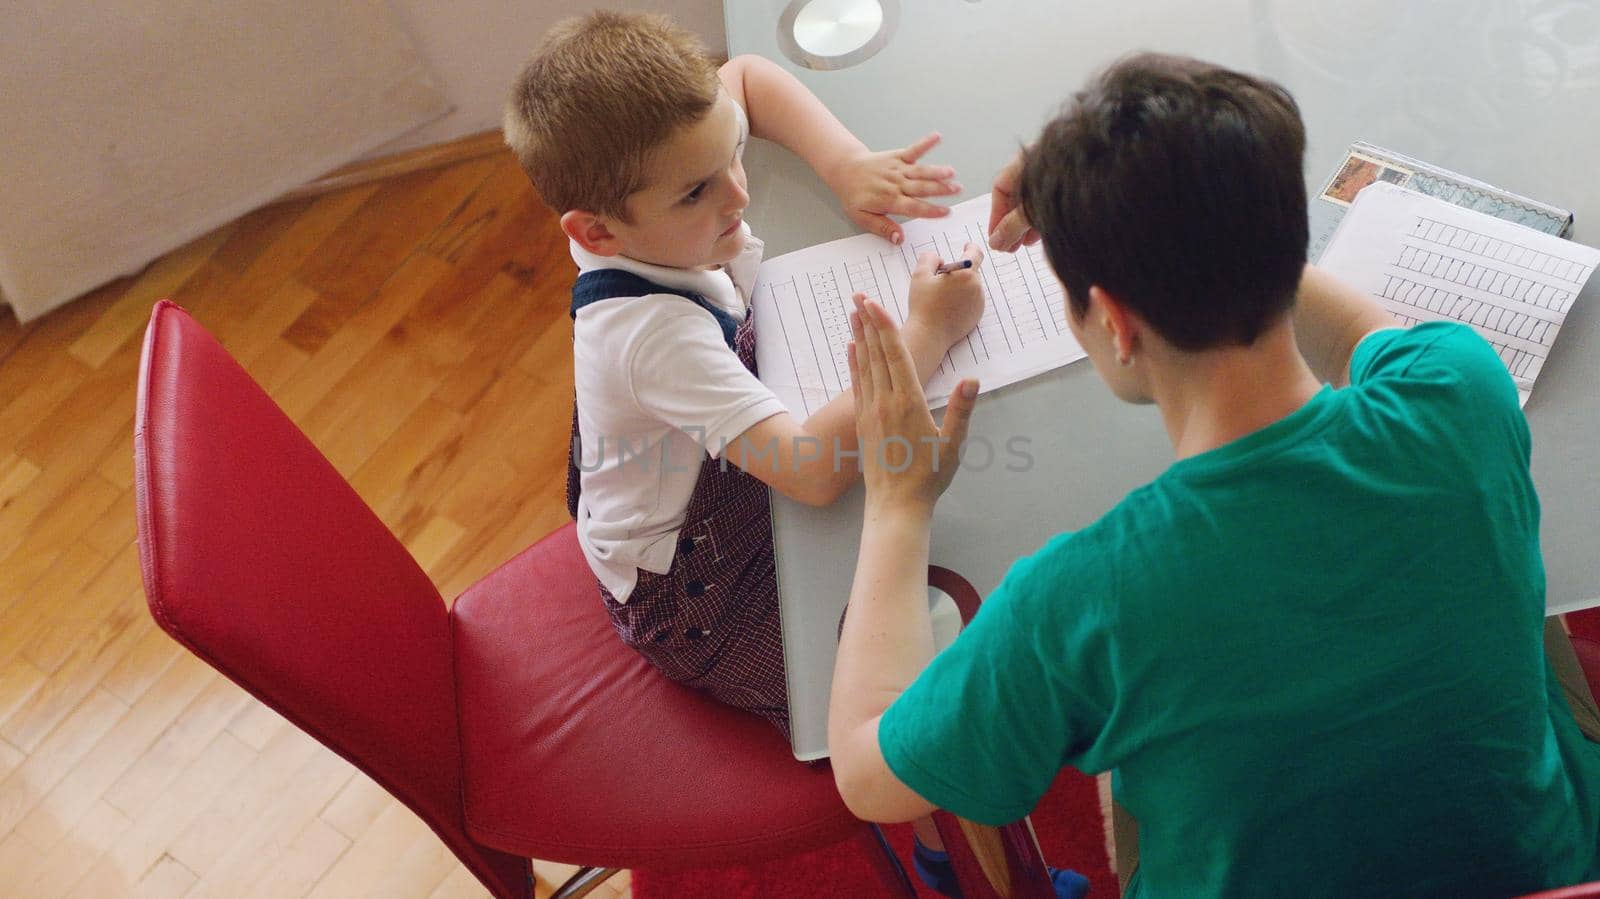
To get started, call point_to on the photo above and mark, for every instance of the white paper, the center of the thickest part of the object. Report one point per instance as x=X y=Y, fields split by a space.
x=1427 y=260
x=803 y=300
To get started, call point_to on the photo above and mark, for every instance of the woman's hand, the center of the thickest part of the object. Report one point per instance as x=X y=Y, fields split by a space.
x=1009 y=229
x=874 y=186
x=906 y=460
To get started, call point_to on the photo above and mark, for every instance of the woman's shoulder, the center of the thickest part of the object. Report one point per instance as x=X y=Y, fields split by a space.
x=1069 y=561
x=1438 y=353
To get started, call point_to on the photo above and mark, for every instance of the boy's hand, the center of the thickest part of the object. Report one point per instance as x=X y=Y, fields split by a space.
x=873 y=186
x=1009 y=229
x=907 y=461
x=946 y=307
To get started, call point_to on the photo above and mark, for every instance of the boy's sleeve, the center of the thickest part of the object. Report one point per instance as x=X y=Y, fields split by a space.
x=986 y=727
x=682 y=373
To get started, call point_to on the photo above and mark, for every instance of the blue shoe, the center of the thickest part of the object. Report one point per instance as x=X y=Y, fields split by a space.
x=934 y=869
x=1069 y=884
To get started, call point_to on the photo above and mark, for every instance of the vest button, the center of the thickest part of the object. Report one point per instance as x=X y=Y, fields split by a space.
x=694 y=588
x=686 y=546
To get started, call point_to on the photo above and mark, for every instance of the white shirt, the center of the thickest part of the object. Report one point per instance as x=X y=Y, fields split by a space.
x=657 y=388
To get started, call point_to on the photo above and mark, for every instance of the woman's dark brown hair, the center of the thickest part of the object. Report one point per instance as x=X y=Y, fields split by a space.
x=1176 y=186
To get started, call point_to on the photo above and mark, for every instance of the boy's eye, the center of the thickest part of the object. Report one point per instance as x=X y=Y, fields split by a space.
x=693 y=195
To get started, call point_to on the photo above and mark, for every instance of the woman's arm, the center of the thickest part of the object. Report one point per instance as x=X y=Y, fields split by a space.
x=886 y=642
x=907 y=462
x=1330 y=318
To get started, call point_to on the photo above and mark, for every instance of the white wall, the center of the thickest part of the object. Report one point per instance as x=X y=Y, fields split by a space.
x=131 y=128
x=472 y=49
x=476 y=48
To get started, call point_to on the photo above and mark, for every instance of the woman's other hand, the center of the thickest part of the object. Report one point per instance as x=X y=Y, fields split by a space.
x=907 y=461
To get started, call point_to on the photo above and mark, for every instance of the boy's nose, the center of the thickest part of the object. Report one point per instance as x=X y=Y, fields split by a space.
x=740 y=197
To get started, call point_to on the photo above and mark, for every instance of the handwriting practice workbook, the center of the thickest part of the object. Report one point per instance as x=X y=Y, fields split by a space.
x=1425 y=260
x=803 y=301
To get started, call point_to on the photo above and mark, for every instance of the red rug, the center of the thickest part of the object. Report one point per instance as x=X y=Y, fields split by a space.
x=1585 y=623
x=1067 y=820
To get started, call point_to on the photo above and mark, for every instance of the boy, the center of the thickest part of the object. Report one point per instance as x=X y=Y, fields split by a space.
x=634 y=136
x=1311 y=649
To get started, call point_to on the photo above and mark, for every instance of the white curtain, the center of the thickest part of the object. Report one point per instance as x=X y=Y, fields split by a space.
x=129 y=128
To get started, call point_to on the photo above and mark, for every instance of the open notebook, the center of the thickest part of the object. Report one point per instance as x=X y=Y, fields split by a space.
x=1425 y=259
x=803 y=301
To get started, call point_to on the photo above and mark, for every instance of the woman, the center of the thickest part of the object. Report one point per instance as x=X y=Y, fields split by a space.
x=1311 y=649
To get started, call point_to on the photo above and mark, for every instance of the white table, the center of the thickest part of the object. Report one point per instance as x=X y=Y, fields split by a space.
x=1504 y=91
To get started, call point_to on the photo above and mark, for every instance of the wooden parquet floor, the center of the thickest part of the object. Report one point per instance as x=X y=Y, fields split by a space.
x=416 y=329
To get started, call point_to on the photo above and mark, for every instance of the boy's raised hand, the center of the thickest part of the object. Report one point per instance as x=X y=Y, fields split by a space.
x=874 y=186
x=907 y=461
x=946 y=307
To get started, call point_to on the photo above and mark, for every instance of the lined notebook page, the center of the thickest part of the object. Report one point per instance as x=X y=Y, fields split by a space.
x=1426 y=260
x=803 y=301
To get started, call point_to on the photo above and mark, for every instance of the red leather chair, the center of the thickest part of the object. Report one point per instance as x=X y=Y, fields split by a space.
x=515 y=724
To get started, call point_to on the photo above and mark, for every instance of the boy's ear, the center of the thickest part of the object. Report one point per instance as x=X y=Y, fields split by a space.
x=591 y=232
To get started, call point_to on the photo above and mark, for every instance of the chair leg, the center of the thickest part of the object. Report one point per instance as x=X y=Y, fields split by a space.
x=1007 y=858
x=582 y=882
x=883 y=859
x=891 y=873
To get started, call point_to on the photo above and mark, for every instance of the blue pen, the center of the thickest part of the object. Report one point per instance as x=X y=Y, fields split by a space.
x=948 y=267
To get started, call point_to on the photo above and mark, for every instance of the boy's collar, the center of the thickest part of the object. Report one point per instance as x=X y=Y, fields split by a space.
x=712 y=283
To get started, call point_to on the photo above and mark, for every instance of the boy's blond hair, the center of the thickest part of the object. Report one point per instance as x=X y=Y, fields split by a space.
x=601 y=93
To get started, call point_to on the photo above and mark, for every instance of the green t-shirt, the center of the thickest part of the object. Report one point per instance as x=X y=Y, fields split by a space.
x=1312 y=656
